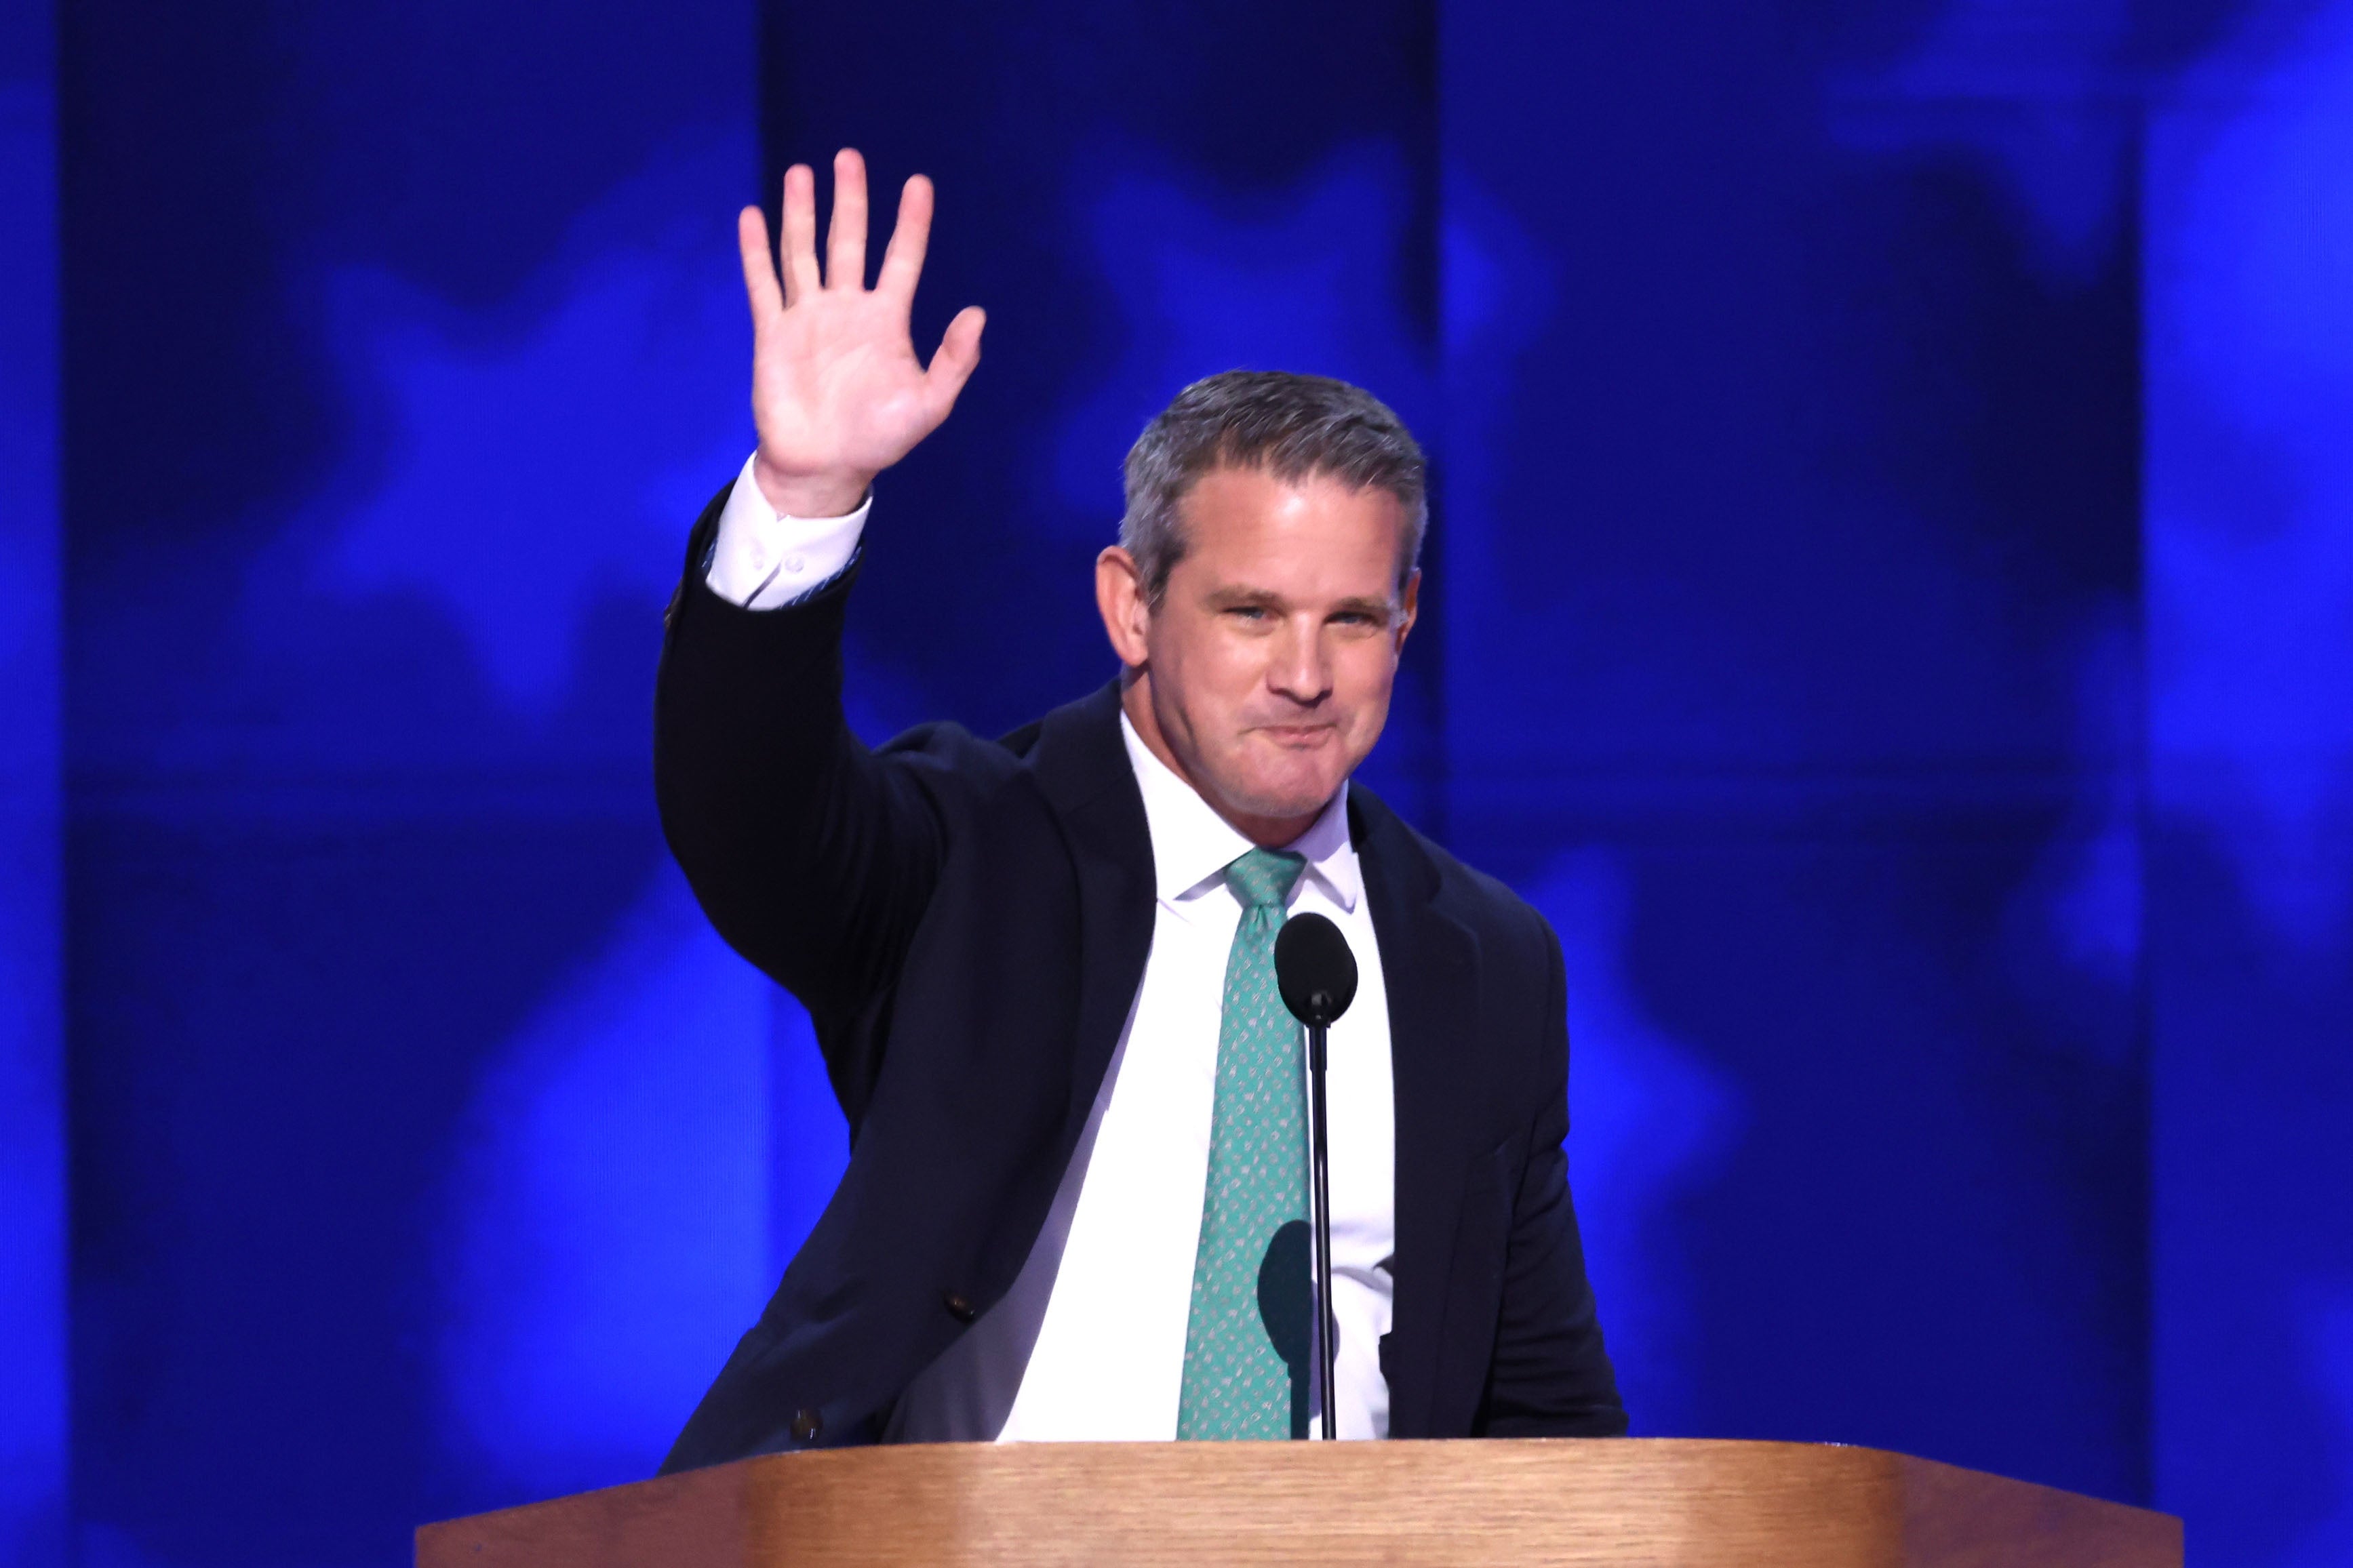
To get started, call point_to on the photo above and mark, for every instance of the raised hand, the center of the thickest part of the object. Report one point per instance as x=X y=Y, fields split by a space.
x=837 y=390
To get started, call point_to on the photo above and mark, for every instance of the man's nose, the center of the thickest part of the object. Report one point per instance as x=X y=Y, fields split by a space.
x=1302 y=666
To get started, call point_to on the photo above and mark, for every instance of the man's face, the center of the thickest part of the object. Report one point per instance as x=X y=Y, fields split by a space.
x=1268 y=662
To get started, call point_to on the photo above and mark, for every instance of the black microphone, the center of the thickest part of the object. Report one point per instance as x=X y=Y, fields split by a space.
x=1317 y=975
x=1314 y=969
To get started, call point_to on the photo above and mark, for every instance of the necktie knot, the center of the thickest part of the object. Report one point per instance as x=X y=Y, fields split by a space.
x=1263 y=879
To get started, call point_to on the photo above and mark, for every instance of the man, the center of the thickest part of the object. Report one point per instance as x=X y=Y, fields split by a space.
x=1040 y=968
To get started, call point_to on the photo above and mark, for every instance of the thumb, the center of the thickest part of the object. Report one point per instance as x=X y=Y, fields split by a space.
x=950 y=368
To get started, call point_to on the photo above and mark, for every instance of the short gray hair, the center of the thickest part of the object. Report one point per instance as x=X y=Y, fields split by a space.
x=1290 y=426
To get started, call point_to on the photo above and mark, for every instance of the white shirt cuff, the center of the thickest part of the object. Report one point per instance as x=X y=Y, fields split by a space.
x=763 y=559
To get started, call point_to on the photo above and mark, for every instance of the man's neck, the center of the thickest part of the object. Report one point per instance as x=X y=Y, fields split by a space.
x=1266 y=832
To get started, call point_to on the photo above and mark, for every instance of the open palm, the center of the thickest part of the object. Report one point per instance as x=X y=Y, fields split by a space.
x=837 y=391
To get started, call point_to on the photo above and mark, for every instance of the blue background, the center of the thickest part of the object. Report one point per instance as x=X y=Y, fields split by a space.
x=1891 y=604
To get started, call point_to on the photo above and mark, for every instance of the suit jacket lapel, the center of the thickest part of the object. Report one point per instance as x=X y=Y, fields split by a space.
x=1082 y=764
x=1429 y=963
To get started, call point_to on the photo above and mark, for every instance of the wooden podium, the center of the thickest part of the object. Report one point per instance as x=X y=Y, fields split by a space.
x=1690 y=1503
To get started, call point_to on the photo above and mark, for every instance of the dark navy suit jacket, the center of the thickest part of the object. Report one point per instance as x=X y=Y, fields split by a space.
x=967 y=923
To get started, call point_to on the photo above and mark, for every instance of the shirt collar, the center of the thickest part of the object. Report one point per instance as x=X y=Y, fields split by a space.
x=1192 y=845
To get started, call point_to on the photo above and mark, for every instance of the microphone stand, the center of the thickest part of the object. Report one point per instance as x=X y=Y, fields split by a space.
x=1317 y=975
x=1327 y=1324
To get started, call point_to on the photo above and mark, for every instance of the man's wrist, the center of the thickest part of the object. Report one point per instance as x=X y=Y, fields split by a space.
x=760 y=560
x=821 y=495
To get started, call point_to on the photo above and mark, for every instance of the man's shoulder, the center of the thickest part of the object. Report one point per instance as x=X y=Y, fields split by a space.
x=1483 y=904
x=1072 y=753
x=947 y=755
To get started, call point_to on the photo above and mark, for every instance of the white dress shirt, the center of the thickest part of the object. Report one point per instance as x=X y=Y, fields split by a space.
x=1090 y=1342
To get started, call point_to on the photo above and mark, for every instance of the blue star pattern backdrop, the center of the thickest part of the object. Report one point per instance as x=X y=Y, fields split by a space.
x=1887 y=607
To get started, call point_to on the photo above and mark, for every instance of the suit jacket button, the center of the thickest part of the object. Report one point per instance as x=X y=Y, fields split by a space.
x=806 y=1425
x=961 y=1311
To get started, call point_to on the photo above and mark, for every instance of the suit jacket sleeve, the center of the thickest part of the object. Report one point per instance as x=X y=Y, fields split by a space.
x=1551 y=1376
x=812 y=857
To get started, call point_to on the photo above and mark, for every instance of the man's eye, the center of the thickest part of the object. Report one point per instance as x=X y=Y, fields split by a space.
x=1249 y=612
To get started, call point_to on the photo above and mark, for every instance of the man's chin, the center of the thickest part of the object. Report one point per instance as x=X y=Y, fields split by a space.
x=1287 y=801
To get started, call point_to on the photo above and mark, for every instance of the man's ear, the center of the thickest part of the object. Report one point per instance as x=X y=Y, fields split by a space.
x=1119 y=594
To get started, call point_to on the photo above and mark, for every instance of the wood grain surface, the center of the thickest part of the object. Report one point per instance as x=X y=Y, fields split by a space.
x=1685 y=1502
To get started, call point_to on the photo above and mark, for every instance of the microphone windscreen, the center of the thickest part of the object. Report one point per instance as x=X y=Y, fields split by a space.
x=1313 y=969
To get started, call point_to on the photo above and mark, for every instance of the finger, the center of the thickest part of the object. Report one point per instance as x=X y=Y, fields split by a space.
x=953 y=366
x=759 y=271
x=845 y=245
x=798 y=256
x=903 y=263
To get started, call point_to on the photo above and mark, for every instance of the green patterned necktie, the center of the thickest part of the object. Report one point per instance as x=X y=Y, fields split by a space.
x=1246 y=1342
